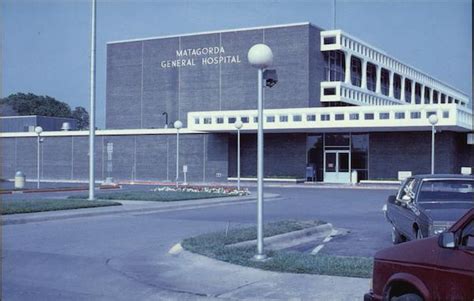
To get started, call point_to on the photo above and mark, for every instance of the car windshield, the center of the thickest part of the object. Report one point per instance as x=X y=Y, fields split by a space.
x=446 y=191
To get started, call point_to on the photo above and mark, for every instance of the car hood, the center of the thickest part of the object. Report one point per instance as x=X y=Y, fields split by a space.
x=449 y=212
x=418 y=251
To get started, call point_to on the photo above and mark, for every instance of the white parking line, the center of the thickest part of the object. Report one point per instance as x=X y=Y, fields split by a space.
x=327 y=239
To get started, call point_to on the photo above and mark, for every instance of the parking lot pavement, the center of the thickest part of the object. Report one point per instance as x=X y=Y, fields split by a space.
x=125 y=256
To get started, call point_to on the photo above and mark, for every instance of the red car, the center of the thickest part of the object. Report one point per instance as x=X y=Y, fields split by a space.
x=435 y=268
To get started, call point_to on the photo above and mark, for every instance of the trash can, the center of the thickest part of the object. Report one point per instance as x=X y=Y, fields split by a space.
x=19 y=180
x=354 y=177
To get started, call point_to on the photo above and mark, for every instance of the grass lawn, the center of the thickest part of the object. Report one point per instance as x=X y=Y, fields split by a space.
x=28 y=206
x=156 y=196
x=214 y=245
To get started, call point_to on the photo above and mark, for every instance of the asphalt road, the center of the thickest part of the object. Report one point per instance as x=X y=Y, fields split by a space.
x=69 y=259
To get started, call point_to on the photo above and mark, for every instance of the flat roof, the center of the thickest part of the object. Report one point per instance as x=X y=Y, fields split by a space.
x=211 y=32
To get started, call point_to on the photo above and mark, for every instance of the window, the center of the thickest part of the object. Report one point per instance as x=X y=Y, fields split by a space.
x=417 y=93
x=255 y=119
x=467 y=236
x=356 y=71
x=296 y=118
x=408 y=91
x=325 y=117
x=415 y=115
x=427 y=95
x=244 y=119
x=435 y=96
x=384 y=115
x=371 y=76
x=369 y=116
x=339 y=117
x=407 y=189
x=196 y=120
x=270 y=118
x=284 y=118
x=335 y=65
x=397 y=86
x=399 y=115
x=384 y=81
x=428 y=114
x=443 y=98
x=329 y=40
x=207 y=120
x=445 y=114
x=220 y=120
x=232 y=120
x=311 y=117
x=354 y=116
x=329 y=91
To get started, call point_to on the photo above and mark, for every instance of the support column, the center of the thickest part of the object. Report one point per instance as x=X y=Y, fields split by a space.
x=390 y=83
x=378 y=78
x=431 y=95
x=364 y=74
x=412 y=91
x=402 y=93
x=423 y=94
x=347 y=73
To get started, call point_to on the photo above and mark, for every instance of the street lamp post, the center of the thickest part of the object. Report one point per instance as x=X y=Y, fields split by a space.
x=38 y=131
x=92 y=106
x=433 y=119
x=260 y=56
x=177 y=125
x=166 y=119
x=238 y=125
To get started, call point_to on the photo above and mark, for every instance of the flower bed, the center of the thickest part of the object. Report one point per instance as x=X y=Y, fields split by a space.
x=230 y=191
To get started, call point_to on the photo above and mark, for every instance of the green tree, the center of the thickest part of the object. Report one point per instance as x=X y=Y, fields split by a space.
x=82 y=117
x=31 y=104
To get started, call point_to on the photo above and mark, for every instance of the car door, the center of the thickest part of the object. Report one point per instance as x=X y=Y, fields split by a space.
x=403 y=215
x=455 y=272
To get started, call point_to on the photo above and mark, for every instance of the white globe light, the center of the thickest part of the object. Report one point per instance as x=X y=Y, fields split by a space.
x=433 y=119
x=238 y=124
x=38 y=130
x=178 y=124
x=260 y=56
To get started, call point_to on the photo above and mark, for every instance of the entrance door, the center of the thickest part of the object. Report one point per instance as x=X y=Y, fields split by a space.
x=337 y=166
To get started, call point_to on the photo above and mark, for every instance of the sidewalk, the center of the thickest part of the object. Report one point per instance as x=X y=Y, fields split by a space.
x=130 y=207
x=201 y=276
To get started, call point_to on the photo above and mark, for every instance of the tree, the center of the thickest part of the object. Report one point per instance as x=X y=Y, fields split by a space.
x=31 y=104
x=82 y=117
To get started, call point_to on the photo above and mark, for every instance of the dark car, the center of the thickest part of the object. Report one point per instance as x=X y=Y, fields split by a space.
x=426 y=205
x=435 y=268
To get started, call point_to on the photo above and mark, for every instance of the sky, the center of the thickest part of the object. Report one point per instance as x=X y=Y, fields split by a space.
x=46 y=43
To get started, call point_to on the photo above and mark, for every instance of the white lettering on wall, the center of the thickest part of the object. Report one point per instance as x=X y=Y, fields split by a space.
x=209 y=56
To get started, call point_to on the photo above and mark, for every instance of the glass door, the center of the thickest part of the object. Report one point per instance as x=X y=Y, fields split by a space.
x=337 y=168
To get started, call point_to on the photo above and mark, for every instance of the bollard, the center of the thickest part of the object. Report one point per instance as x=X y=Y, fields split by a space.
x=19 y=180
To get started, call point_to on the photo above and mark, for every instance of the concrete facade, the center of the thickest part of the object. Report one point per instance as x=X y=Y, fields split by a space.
x=137 y=157
x=137 y=80
x=208 y=74
x=28 y=123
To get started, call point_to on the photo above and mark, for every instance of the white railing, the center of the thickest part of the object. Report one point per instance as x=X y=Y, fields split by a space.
x=369 y=118
x=354 y=95
x=339 y=40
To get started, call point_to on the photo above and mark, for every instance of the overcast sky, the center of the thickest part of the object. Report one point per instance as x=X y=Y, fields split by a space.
x=46 y=43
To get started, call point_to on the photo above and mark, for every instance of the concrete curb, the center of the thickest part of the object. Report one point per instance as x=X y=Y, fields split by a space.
x=287 y=240
x=58 y=189
x=150 y=207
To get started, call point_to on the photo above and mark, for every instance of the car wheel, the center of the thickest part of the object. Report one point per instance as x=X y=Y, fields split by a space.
x=396 y=237
x=407 y=297
x=419 y=234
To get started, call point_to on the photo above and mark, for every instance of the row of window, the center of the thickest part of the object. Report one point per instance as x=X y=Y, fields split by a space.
x=336 y=68
x=323 y=117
